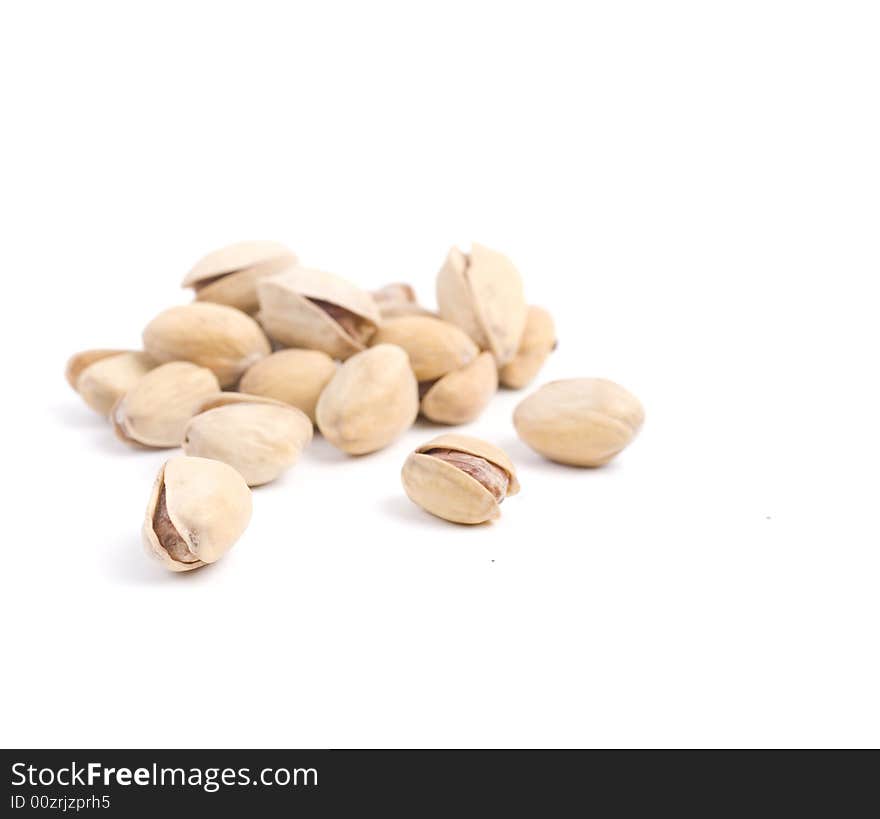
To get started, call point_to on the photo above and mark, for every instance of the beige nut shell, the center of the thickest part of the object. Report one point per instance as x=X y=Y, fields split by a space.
x=579 y=421
x=237 y=256
x=209 y=505
x=434 y=347
x=103 y=382
x=538 y=341
x=291 y=319
x=79 y=361
x=296 y=377
x=448 y=492
x=462 y=395
x=155 y=412
x=221 y=338
x=371 y=400
x=483 y=294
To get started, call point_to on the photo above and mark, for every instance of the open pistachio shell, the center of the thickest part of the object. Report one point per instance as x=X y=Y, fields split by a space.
x=434 y=347
x=483 y=294
x=296 y=377
x=221 y=338
x=461 y=396
x=309 y=308
x=370 y=401
x=579 y=421
x=397 y=300
x=155 y=412
x=197 y=510
x=459 y=478
x=538 y=341
x=79 y=361
x=235 y=257
x=104 y=381
x=259 y=438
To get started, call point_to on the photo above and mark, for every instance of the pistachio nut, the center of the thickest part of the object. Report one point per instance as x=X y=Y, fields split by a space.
x=197 y=511
x=156 y=410
x=79 y=361
x=434 y=347
x=370 y=401
x=215 y=336
x=260 y=438
x=295 y=377
x=538 y=341
x=102 y=380
x=308 y=308
x=229 y=275
x=398 y=299
x=459 y=478
x=483 y=294
x=460 y=396
x=579 y=421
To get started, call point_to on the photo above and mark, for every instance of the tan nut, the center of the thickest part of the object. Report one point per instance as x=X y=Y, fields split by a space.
x=538 y=341
x=483 y=294
x=372 y=399
x=156 y=410
x=296 y=377
x=459 y=478
x=215 y=336
x=316 y=310
x=229 y=275
x=198 y=509
x=462 y=395
x=102 y=377
x=397 y=300
x=434 y=347
x=579 y=421
x=258 y=438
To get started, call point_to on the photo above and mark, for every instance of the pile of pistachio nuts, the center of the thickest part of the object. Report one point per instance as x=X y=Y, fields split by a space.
x=270 y=349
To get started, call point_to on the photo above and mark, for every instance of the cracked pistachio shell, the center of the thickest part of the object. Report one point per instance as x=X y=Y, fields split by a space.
x=215 y=336
x=538 y=341
x=460 y=491
x=105 y=380
x=296 y=377
x=309 y=308
x=483 y=294
x=372 y=399
x=79 y=361
x=259 y=438
x=579 y=421
x=156 y=410
x=198 y=509
x=463 y=394
x=397 y=300
x=434 y=347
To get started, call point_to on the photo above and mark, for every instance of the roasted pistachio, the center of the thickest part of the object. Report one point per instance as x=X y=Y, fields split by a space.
x=538 y=341
x=215 y=336
x=258 y=437
x=102 y=377
x=295 y=377
x=156 y=410
x=579 y=421
x=460 y=396
x=397 y=300
x=483 y=294
x=316 y=310
x=229 y=275
x=459 y=478
x=434 y=347
x=370 y=401
x=198 y=509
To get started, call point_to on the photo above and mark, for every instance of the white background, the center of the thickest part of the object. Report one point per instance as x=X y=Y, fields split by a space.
x=691 y=188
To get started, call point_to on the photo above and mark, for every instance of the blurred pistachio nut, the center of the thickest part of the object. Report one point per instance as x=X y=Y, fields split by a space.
x=198 y=509
x=229 y=275
x=459 y=478
x=309 y=308
x=296 y=377
x=372 y=399
x=579 y=421
x=215 y=336
x=104 y=380
x=462 y=395
x=79 y=361
x=398 y=299
x=259 y=438
x=434 y=347
x=482 y=293
x=538 y=341
x=156 y=410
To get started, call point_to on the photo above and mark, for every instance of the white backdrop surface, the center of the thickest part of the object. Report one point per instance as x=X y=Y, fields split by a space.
x=691 y=189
